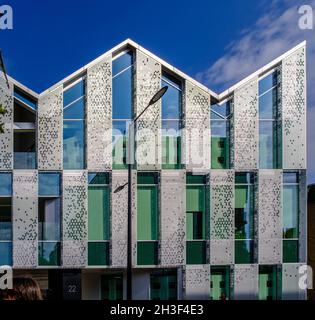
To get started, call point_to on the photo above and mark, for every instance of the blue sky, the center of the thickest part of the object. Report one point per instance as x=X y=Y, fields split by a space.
x=216 y=42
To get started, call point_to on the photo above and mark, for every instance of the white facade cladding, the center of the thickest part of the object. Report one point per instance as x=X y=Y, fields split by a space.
x=291 y=277
x=221 y=217
x=119 y=219
x=270 y=216
x=6 y=142
x=214 y=225
x=246 y=282
x=172 y=217
x=245 y=126
x=25 y=219
x=148 y=140
x=50 y=130
x=99 y=116
x=74 y=222
x=197 y=282
x=196 y=146
x=294 y=110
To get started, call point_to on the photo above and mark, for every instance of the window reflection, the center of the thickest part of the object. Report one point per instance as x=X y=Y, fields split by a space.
x=171 y=122
x=220 y=135
x=269 y=123
x=74 y=126
x=122 y=82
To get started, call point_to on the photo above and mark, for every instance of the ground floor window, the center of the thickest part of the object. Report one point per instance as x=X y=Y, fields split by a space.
x=112 y=287
x=220 y=283
x=163 y=285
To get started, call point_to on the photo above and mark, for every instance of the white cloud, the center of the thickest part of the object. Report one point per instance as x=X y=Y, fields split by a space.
x=275 y=32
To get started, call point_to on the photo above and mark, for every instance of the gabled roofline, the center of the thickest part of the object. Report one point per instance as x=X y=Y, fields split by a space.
x=21 y=86
x=130 y=43
x=261 y=71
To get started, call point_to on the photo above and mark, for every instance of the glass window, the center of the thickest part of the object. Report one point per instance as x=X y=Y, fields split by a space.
x=98 y=207
x=73 y=145
x=195 y=219
x=74 y=126
x=268 y=142
x=5 y=184
x=5 y=219
x=270 y=146
x=73 y=93
x=147 y=218
x=220 y=283
x=290 y=217
x=49 y=184
x=25 y=98
x=171 y=122
x=267 y=83
x=24 y=149
x=171 y=101
x=75 y=110
x=98 y=218
x=49 y=219
x=122 y=107
x=290 y=211
x=123 y=86
x=49 y=233
x=122 y=62
x=49 y=253
x=163 y=285
x=268 y=104
x=98 y=178
x=290 y=177
x=195 y=212
x=244 y=217
x=120 y=139
x=112 y=287
x=5 y=253
x=268 y=283
x=220 y=135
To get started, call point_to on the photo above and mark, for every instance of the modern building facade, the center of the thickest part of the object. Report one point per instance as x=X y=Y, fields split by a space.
x=218 y=181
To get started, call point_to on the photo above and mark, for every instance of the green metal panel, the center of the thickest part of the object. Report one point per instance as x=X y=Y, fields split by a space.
x=98 y=253
x=196 y=252
x=147 y=217
x=290 y=251
x=147 y=253
x=244 y=251
x=98 y=213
